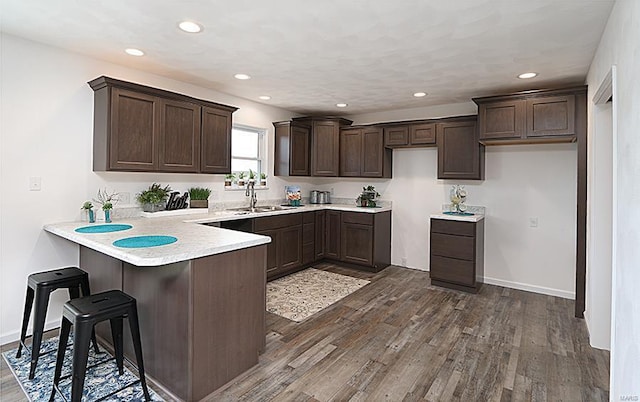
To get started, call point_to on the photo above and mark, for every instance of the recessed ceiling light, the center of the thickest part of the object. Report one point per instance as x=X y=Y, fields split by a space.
x=134 y=52
x=264 y=97
x=420 y=94
x=524 y=76
x=341 y=105
x=190 y=26
x=242 y=76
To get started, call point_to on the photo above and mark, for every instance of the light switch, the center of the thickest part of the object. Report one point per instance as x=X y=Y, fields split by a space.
x=533 y=222
x=35 y=183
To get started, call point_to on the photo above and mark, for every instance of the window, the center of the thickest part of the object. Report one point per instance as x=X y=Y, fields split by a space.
x=247 y=149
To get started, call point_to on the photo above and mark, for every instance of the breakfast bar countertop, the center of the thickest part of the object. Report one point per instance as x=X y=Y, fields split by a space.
x=194 y=241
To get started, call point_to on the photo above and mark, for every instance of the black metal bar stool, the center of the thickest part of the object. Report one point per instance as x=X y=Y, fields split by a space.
x=84 y=313
x=40 y=285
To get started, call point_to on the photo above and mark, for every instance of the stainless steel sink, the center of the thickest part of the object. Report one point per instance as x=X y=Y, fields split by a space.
x=266 y=208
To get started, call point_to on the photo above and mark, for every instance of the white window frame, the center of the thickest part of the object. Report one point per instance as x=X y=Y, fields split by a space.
x=262 y=134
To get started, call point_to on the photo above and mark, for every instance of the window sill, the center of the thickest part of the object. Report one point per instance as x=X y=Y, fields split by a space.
x=243 y=188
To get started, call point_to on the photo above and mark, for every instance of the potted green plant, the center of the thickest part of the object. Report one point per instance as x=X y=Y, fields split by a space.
x=263 y=179
x=368 y=197
x=241 y=178
x=107 y=207
x=199 y=197
x=228 y=179
x=153 y=199
x=88 y=207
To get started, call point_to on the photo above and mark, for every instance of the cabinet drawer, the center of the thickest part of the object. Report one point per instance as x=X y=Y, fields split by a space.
x=362 y=218
x=276 y=222
x=452 y=270
x=459 y=247
x=453 y=227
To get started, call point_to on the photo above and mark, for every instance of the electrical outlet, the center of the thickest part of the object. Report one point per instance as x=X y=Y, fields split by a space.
x=35 y=183
x=533 y=222
x=403 y=261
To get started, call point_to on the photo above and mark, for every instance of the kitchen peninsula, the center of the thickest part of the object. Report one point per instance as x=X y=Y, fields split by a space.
x=201 y=300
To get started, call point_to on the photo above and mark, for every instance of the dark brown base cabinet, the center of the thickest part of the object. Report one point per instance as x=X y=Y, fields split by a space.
x=284 y=253
x=139 y=128
x=362 y=239
x=298 y=240
x=457 y=254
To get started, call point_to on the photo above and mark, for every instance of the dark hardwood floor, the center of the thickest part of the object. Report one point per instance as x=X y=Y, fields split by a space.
x=401 y=339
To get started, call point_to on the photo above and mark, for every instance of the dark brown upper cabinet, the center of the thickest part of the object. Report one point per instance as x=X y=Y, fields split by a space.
x=292 y=149
x=362 y=153
x=325 y=147
x=410 y=135
x=216 y=140
x=179 y=136
x=460 y=154
x=139 y=128
x=529 y=117
x=309 y=146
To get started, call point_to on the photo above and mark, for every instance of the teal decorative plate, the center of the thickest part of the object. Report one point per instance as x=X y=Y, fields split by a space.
x=144 y=241
x=103 y=228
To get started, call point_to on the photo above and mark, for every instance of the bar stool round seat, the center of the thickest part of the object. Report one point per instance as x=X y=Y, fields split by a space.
x=84 y=313
x=39 y=286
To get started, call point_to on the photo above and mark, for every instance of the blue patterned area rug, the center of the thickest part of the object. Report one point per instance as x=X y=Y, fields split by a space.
x=99 y=382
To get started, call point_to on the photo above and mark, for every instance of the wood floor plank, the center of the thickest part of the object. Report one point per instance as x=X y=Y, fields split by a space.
x=399 y=338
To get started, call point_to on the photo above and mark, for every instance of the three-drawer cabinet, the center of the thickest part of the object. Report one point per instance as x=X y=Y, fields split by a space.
x=457 y=254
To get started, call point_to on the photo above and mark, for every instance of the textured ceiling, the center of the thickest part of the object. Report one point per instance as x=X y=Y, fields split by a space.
x=308 y=56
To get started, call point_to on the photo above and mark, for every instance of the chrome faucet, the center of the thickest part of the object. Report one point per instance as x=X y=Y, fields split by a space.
x=251 y=191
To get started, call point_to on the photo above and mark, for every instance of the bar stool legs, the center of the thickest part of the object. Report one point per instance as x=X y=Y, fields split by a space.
x=40 y=285
x=83 y=314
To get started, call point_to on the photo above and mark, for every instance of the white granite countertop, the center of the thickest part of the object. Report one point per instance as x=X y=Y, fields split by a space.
x=226 y=215
x=194 y=240
x=465 y=218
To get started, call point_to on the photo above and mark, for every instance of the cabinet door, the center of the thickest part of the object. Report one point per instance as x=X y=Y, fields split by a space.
x=290 y=247
x=350 y=152
x=422 y=134
x=499 y=120
x=333 y=239
x=460 y=155
x=357 y=243
x=179 y=140
x=216 y=141
x=272 y=250
x=373 y=154
x=325 y=148
x=320 y=238
x=299 y=151
x=135 y=124
x=308 y=242
x=396 y=136
x=551 y=116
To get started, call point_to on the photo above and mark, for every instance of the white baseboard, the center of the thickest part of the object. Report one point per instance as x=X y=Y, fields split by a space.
x=15 y=335
x=531 y=288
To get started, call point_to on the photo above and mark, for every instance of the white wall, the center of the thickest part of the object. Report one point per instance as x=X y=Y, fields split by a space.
x=620 y=46
x=521 y=182
x=46 y=129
